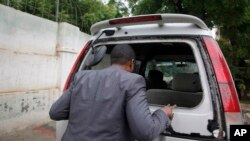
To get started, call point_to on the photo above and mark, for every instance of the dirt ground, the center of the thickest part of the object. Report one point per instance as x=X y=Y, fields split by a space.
x=246 y=113
x=45 y=132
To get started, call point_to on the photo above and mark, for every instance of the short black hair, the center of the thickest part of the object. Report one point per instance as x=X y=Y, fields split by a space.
x=121 y=54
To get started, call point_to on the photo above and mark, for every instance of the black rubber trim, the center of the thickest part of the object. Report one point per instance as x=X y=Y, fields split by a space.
x=146 y=37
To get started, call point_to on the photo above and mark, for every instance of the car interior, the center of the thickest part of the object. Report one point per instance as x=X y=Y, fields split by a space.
x=170 y=72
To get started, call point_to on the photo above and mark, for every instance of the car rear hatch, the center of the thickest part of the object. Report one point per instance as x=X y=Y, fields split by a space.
x=219 y=106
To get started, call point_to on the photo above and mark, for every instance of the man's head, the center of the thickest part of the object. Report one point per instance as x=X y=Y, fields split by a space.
x=124 y=56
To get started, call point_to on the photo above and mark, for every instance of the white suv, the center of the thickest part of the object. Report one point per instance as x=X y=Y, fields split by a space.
x=181 y=63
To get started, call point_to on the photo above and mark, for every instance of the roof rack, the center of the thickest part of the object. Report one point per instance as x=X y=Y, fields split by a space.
x=148 y=19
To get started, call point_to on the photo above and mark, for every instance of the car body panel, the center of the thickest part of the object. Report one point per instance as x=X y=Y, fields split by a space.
x=154 y=30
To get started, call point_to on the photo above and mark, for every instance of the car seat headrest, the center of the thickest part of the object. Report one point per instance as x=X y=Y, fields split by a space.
x=155 y=75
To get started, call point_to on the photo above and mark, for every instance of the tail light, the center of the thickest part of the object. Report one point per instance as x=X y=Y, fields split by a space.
x=135 y=19
x=225 y=81
x=76 y=65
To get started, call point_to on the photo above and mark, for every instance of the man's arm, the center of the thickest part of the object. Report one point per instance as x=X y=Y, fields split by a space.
x=144 y=125
x=60 y=109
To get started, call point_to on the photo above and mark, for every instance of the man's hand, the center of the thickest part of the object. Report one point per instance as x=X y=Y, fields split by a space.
x=169 y=111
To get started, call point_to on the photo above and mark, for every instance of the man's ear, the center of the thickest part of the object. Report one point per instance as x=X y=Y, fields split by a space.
x=132 y=65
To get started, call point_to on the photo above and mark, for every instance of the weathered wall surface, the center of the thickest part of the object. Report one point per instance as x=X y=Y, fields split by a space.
x=36 y=56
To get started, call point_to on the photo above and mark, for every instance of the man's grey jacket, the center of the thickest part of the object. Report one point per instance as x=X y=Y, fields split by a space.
x=108 y=105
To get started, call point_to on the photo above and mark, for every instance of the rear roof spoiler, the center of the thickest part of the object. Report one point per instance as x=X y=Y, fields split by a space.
x=148 y=19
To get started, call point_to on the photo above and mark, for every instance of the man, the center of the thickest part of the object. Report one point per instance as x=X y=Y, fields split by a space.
x=110 y=104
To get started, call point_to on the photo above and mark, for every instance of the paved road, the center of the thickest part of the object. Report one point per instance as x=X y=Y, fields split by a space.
x=246 y=113
x=45 y=132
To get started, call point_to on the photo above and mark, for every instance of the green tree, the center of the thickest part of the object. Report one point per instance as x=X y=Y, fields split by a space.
x=94 y=11
x=120 y=7
x=82 y=13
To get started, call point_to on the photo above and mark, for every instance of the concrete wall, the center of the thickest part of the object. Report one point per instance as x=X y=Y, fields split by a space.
x=36 y=56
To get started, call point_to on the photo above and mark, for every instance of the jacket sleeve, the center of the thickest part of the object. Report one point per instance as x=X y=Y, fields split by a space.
x=60 y=109
x=144 y=125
